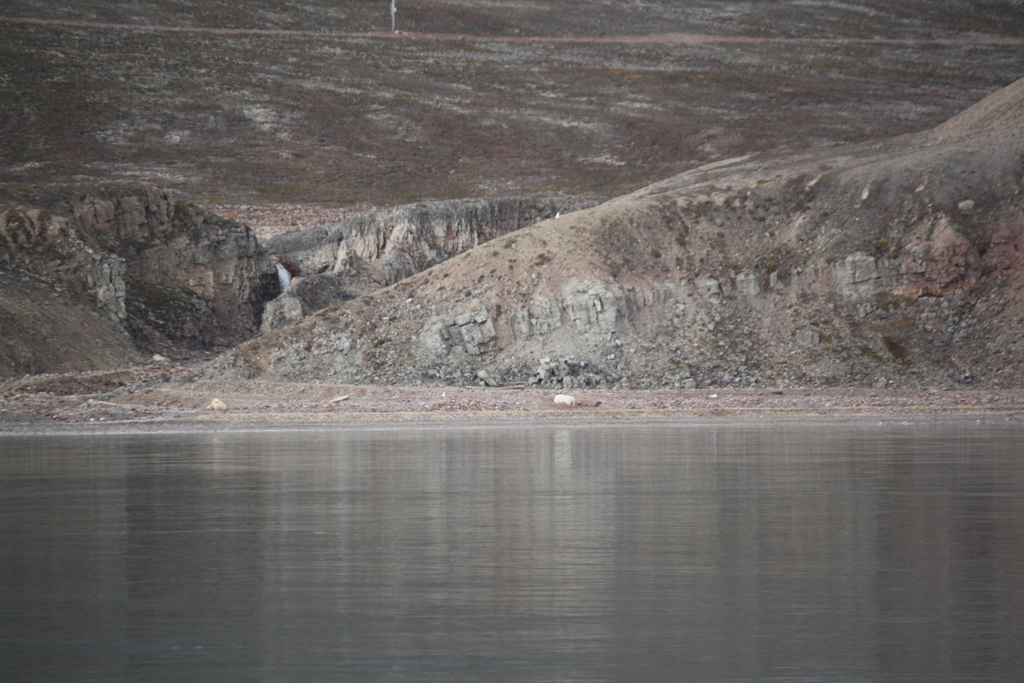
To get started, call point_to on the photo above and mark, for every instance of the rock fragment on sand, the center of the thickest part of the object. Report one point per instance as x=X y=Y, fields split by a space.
x=808 y=338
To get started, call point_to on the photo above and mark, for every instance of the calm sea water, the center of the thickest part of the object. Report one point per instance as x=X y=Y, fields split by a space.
x=825 y=553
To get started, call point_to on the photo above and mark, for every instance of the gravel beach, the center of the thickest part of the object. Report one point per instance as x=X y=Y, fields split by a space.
x=169 y=397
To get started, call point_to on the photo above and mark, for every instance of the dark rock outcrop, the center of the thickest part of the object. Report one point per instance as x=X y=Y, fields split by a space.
x=163 y=271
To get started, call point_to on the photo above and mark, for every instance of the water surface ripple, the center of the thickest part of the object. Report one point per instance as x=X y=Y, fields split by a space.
x=767 y=553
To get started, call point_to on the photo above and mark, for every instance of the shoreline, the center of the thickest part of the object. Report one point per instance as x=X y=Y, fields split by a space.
x=273 y=424
x=182 y=406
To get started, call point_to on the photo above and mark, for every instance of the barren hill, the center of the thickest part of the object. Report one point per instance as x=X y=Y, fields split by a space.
x=316 y=102
x=880 y=264
x=812 y=260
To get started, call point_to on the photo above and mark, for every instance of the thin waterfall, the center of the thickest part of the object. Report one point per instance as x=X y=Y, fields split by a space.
x=283 y=276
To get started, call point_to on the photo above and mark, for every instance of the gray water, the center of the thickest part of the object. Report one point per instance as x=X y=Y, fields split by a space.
x=825 y=553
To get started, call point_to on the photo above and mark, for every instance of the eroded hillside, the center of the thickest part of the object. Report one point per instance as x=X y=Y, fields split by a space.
x=817 y=257
x=895 y=263
x=121 y=269
x=358 y=255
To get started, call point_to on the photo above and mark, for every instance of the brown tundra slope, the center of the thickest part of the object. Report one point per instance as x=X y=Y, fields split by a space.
x=882 y=264
x=316 y=102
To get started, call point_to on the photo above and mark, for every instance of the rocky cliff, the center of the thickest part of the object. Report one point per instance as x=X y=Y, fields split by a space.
x=46 y=328
x=887 y=264
x=358 y=255
x=158 y=270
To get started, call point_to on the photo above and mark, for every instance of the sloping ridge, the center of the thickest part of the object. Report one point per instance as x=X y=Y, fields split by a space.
x=998 y=120
x=895 y=263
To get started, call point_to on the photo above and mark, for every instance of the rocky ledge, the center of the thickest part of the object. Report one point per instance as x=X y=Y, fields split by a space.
x=339 y=261
x=158 y=269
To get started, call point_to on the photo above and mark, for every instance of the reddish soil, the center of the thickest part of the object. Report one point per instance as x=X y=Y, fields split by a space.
x=646 y=39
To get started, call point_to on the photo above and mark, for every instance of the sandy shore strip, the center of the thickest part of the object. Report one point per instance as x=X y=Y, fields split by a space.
x=34 y=406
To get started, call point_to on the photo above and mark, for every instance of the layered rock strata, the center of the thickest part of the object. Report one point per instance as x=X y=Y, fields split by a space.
x=360 y=254
x=162 y=270
x=890 y=264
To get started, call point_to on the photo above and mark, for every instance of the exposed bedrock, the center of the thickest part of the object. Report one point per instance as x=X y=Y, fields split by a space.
x=377 y=249
x=885 y=264
x=162 y=270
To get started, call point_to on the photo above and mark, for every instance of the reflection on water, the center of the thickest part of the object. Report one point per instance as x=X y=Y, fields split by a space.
x=618 y=554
